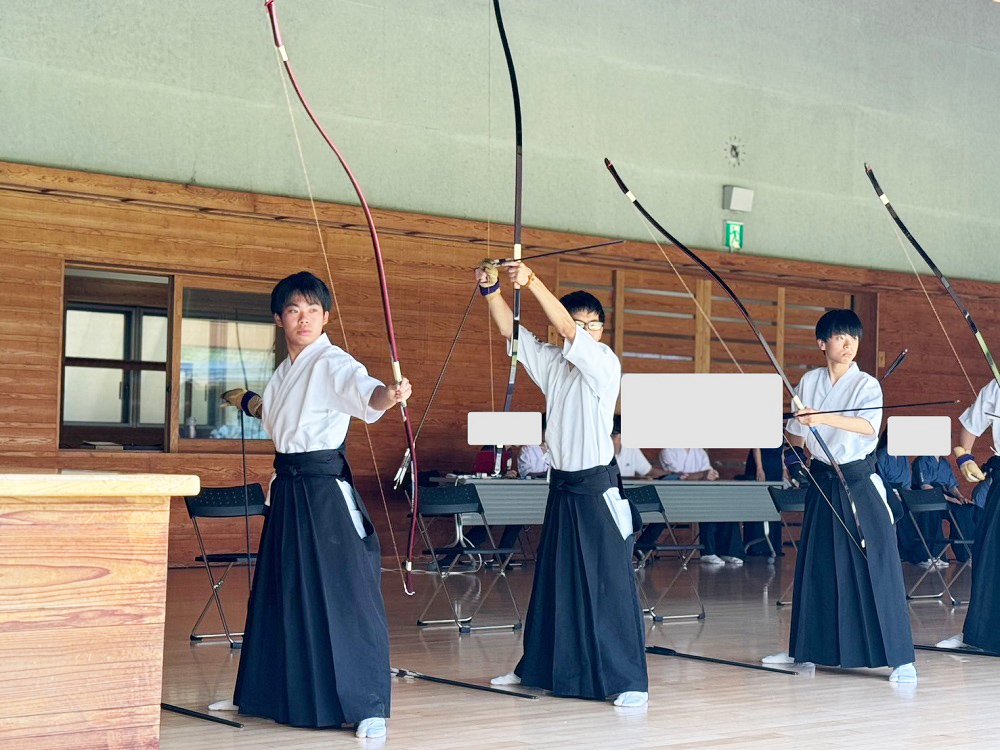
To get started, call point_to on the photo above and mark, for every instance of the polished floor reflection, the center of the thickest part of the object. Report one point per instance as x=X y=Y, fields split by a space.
x=692 y=704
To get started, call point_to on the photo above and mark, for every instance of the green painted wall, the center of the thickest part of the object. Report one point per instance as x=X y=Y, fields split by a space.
x=416 y=94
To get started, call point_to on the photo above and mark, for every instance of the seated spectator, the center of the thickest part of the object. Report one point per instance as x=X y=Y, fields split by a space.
x=631 y=461
x=485 y=461
x=895 y=473
x=763 y=465
x=721 y=542
x=533 y=460
x=935 y=471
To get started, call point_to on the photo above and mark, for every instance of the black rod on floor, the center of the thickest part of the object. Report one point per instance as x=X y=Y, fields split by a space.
x=967 y=651
x=407 y=673
x=199 y=715
x=661 y=651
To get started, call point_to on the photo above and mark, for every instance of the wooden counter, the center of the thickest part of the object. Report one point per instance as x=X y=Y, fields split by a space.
x=83 y=572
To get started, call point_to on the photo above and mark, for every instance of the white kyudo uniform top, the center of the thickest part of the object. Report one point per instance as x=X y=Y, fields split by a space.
x=531 y=459
x=632 y=463
x=685 y=460
x=855 y=390
x=308 y=404
x=581 y=382
x=974 y=418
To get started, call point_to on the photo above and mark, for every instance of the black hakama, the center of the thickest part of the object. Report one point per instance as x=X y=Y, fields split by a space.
x=848 y=610
x=583 y=633
x=982 y=622
x=316 y=648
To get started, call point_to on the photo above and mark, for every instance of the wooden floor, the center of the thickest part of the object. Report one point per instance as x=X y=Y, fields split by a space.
x=692 y=704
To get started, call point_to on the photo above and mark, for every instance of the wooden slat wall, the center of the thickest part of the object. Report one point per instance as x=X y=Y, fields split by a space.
x=50 y=217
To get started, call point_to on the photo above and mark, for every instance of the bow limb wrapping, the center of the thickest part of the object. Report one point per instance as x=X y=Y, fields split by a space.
x=940 y=276
x=383 y=288
x=796 y=402
x=516 y=255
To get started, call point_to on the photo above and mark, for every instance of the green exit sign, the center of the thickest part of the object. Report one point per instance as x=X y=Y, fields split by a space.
x=734 y=235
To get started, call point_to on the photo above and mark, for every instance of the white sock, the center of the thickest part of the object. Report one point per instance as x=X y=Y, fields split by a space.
x=712 y=560
x=507 y=679
x=904 y=673
x=226 y=705
x=782 y=658
x=374 y=727
x=954 y=642
x=631 y=698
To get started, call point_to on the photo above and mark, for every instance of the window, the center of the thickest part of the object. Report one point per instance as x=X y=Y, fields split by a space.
x=129 y=336
x=115 y=360
x=228 y=340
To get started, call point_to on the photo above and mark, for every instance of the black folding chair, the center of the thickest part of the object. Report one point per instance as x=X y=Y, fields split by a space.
x=647 y=500
x=918 y=502
x=222 y=502
x=454 y=502
x=788 y=500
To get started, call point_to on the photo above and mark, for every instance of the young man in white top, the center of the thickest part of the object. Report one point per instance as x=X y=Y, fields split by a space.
x=583 y=633
x=849 y=603
x=316 y=645
x=631 y=461
x=721 y=541
x=982 y=621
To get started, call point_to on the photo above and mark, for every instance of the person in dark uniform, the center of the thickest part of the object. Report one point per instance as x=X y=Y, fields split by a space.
x=583 y=633
x=849 y=602
x=982 y=621
x=316 y=644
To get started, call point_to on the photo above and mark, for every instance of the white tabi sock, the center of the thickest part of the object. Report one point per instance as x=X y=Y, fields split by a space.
x=374 y=727
x=632 y=698
x=782 y=658
x=904 y=673
x=507 y=679
x=226 y=705
x=954 y=642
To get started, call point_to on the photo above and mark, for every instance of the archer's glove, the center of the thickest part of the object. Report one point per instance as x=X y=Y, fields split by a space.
x=490 y=282
x=246 y=401
x=968 y=466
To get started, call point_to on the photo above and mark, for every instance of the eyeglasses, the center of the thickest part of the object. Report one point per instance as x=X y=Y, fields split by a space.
x=593 y=325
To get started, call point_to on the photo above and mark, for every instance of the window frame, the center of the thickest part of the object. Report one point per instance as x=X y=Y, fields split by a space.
x=204 y=445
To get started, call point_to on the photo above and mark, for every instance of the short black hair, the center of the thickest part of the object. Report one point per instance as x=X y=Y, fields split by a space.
x=833 y=322
x=581 y=301
x=616 y=425
x=311 y=288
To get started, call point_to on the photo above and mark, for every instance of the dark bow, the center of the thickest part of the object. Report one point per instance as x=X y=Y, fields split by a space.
x=796 y=402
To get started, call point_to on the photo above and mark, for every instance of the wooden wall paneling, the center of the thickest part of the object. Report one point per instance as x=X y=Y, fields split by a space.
x=31 y=322
x=702 y=329
x=865 y=304
x=779 y=324
x=618 y=334
x=225 y=238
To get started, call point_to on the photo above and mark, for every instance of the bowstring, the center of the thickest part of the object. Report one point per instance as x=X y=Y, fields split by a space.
x=489 y=174
x=708 y=319
x=340 y=319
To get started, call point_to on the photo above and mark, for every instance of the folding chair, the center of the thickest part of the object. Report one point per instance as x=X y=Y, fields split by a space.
x=787 y=500
x=933 y=500
x=453 y=502
x=222 y=502
x=647 y=500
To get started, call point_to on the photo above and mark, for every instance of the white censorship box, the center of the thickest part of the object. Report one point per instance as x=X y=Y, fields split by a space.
x=708 y=410
x=505 y=428
x=919 y=436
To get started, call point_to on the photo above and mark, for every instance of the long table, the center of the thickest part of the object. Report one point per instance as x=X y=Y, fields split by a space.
x=522 y=501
